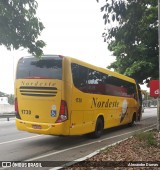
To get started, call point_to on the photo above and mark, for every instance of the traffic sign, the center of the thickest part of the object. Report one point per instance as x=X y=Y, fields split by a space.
x=154 y=88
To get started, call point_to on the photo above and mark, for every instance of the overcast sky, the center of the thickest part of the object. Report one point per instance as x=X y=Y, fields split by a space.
x=72 y=28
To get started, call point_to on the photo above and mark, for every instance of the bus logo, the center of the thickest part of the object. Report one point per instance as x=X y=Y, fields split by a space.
x=124 y=110
x=6 y=164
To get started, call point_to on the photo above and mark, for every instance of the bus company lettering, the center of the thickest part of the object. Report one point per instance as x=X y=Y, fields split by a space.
x=37 y=83
x=104 y=104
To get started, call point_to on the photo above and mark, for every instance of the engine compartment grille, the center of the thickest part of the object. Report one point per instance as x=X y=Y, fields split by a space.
x=38 y=91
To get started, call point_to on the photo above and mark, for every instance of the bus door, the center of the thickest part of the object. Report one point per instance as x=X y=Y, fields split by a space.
x=139 y=103
x=81 y=122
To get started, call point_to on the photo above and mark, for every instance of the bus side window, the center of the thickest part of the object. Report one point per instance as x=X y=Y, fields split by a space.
x=80 y=77
x=75 y=74
x=83 y=76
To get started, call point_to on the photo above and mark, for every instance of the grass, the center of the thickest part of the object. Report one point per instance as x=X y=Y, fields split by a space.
x=147 y=137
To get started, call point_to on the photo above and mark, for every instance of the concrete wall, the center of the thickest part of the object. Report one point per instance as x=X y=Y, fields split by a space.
x=6 y=108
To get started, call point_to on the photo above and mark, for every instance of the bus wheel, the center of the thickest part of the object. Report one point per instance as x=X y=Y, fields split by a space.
x=133 y=120
x=99 y=128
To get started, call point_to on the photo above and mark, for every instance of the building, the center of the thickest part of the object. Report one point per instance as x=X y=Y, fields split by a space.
x=4 y=100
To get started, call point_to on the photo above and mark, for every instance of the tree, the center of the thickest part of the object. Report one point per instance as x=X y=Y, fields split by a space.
x=9 y=96
x=19 y=27
x=11 y=99
x=133 y=37
x=2 y=94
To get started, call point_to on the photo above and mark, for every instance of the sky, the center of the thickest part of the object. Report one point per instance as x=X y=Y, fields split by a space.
x=72 y=28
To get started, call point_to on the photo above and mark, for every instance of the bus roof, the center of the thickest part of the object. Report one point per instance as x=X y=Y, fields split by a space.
x=103 y=70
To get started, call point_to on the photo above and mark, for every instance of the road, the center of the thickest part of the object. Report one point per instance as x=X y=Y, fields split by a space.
x=22 y=146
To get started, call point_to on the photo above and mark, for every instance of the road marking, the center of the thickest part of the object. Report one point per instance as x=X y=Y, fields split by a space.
x=20 y=139
x=86 y=157
x=92 y=154
x=75 y=147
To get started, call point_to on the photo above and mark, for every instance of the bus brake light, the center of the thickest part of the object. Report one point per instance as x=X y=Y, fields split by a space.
x=16 y=109
x=16 y=105
x=63 y=114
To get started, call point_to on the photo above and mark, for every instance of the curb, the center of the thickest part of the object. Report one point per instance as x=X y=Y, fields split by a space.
x=92 y=154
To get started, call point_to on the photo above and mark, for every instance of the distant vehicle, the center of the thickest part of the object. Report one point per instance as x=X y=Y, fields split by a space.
x=60 y=95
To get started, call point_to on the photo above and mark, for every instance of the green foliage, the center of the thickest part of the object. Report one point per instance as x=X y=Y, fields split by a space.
x=133 y=37
x=10 y=97
x=19 y=27
x=147 y=137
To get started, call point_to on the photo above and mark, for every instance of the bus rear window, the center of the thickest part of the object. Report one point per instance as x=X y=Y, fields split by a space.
x=46 y=67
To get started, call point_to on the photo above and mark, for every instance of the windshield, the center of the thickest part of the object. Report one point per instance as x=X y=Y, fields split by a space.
x=49 y=67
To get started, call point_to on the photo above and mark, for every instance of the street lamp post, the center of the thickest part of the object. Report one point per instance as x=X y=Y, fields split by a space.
x=158 y=101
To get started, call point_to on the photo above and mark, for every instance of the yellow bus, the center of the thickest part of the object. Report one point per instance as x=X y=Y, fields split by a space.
x=59 y=95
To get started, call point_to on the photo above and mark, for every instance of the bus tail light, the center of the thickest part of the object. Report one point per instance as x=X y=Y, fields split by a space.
x=63 y=113
x=16 y=109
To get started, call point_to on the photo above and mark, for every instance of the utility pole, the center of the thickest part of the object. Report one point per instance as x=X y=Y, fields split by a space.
x=158 y=101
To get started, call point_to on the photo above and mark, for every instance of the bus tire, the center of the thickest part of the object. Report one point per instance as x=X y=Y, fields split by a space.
x=99 y=128
x=133 y=120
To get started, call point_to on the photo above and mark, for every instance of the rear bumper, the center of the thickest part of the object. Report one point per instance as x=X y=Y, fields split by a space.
x=43 y=128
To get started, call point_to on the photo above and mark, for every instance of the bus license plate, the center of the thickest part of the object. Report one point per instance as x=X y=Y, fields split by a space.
x=36 y=127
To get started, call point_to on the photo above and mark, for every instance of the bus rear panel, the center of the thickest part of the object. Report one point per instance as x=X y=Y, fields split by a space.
x=39 y=103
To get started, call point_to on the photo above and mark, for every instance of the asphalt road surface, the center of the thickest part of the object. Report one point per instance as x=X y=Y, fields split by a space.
x=23 y=146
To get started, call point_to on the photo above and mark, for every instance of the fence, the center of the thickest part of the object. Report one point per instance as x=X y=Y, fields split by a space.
x=150 y=103
x=7 y=115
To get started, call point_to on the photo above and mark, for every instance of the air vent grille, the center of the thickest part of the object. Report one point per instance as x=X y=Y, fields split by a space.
x=38 y=91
